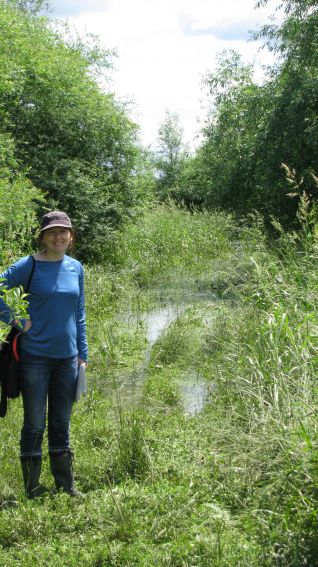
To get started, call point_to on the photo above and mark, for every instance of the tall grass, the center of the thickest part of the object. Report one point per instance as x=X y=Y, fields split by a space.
x=265 y=363
x=233 y=486
x=168 y=242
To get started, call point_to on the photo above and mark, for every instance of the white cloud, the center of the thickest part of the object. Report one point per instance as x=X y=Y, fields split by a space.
x=164 y=49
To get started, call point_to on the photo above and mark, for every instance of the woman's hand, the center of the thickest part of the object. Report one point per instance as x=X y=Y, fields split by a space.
x=80 y=361
x=27 y=326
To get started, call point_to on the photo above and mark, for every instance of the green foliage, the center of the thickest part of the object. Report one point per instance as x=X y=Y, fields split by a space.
x=171 y=155
x=19 y=202
x=132 y=458
x=299 y=7
x=233 y=485
x=74 y=139
x=236 y=484
x=31 y=6
x=222 y=172
x=178 y=344
x=173 y=240
x=16 y=299
x=252 y=129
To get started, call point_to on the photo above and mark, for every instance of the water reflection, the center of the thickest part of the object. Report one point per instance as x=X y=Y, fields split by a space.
x=158 y=320
x=193 y=394
x=193 y=388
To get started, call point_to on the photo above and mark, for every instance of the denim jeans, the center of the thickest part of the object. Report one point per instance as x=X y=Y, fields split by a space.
x=46 y=382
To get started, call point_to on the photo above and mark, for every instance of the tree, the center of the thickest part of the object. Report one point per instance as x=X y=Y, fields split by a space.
x=31 y=6
x=223 y=165
x=171 y=154
x=292 y=127
x=75 y=140
x=251 y=130
x=298 y=8
x=19 y=203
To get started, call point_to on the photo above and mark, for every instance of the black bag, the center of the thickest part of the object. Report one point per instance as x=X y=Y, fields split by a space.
x=9 y=362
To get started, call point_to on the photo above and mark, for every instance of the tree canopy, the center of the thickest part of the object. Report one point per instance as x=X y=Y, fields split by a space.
x=74 y=140
x=70 y=144
x=253 y=129
x=171 y=155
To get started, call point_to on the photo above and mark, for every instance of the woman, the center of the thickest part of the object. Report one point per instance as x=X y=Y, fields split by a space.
x=52 y=346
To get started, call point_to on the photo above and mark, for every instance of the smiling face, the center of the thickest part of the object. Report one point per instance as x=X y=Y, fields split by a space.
x=56 y=241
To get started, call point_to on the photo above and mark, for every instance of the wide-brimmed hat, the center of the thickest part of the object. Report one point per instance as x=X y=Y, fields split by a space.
x=55 y=218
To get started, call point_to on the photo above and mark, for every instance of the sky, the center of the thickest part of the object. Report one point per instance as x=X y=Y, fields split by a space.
x=165 y=48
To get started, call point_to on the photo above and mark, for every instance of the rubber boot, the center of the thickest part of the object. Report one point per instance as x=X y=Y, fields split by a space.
x=62 y=471
x=31 y=470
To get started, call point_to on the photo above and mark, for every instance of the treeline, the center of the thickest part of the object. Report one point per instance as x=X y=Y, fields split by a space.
x=64 y=142
x=68 y=143
x=252 y=130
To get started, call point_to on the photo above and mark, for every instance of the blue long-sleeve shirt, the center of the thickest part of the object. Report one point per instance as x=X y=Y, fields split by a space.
x=56 y=306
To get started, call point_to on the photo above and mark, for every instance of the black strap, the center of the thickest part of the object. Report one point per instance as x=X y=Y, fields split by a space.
x=30 y=276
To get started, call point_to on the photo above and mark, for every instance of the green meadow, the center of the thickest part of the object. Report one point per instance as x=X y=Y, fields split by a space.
x=196 y=443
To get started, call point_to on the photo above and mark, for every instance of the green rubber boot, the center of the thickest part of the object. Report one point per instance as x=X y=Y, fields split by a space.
x=62 y=471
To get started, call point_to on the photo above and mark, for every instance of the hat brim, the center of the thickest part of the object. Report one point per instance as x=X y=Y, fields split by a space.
x=62 y=225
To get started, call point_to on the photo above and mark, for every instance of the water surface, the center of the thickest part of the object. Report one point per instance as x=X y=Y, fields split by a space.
x=127 y=390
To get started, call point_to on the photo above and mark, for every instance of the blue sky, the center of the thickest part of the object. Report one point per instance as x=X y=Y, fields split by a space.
x=164 y=49
x=64 y=8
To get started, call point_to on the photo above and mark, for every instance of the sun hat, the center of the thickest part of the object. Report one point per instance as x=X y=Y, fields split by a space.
x=55 y=218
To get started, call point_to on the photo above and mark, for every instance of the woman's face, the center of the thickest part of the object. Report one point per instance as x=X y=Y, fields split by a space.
x=57 y=239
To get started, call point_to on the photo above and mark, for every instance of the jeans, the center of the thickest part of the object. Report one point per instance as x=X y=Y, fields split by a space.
x=46 y=380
